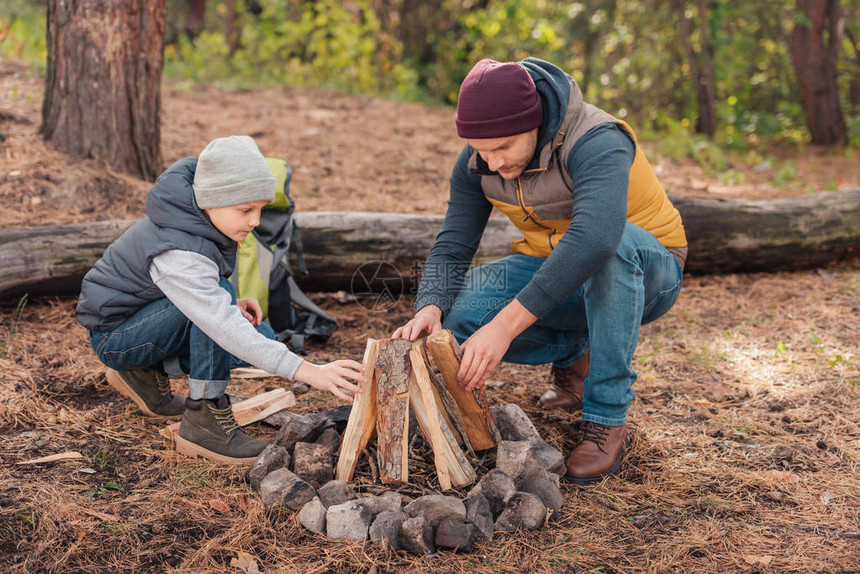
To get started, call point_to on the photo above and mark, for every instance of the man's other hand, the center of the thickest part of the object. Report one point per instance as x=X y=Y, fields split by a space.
x=426 y=321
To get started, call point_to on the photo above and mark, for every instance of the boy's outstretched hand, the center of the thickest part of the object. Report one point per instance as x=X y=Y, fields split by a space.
x=334 y=377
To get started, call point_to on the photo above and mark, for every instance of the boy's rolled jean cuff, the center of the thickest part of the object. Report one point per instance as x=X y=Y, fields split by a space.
x=603 y=420
x=198 y=389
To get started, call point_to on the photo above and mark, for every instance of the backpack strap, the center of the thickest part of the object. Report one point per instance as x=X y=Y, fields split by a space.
x=300 y=251
x=299 y=298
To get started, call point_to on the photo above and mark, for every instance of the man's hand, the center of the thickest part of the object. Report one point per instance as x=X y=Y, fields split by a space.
x=334 y=377
x=425 y=322
x=483 y=351
x=251 y=310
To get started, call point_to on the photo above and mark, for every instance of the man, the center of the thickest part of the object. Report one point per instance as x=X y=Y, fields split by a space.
x=602 y=250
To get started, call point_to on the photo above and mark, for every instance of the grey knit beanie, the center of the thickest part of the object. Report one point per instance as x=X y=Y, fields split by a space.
x=231 y=171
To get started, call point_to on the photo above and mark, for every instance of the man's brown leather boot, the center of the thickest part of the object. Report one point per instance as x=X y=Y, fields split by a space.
x=566 y=390
x=598 y=453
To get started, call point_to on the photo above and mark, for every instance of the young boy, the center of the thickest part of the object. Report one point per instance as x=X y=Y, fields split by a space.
x=159 y=303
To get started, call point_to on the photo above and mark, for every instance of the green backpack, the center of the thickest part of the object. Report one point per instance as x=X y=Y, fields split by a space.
x=263 y=271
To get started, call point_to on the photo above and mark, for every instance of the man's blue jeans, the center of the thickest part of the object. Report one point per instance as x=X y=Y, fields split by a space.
x=637 y=285
x=161 y=337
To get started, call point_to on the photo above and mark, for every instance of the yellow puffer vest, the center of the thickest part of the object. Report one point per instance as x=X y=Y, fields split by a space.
x=540 y=201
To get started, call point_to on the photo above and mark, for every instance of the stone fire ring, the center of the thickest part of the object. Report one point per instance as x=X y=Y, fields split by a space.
x=521 y=492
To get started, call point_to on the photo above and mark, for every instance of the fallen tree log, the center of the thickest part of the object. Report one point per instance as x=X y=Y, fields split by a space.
x=364 y=252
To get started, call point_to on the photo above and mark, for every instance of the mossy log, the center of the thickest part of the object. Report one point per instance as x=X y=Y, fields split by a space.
x=360 y=252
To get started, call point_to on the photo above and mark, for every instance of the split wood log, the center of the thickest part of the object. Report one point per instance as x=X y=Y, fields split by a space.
x=361 y=425
x=392 y=416
x=250 y=410
x=445 y=402
x=452 y=466
x=477 y=421
x=725 y=236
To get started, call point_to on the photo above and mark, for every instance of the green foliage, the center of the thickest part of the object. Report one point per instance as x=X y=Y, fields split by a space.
x=22 y=31
x=103 y=489
x=318 y=44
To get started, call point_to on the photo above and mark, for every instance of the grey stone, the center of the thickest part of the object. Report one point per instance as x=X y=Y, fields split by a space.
x=312 y=516
x=272 y=458
x=388 y=502
x=434 y=508
x=497 y=488
x=414 y=538
x=301 y=428
x=455 y=534
x=330 y=439
x=313 y=463
x=479 y=514
x=524 y=510
x=544 y=485
x=336 y=417
x=348 y=521
x=280 y=418
x=514 y=459
x=386 y=529
x=550 y=457
x=513 y=423
x=335 y=492
x=283 y=487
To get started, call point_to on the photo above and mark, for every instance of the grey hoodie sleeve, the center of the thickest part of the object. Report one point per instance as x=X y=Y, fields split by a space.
x=599 y=164
x=190 y=281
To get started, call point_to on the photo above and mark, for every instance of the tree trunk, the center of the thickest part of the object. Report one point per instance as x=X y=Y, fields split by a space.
x=196 y=18
x=231 y=29
x=814 y=46
x=854 y=81
x=702 y=69
x=362 y=252
x=103 y=80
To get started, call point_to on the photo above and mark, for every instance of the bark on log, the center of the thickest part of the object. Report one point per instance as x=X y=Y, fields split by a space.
x=343 y=250
x=392 y=417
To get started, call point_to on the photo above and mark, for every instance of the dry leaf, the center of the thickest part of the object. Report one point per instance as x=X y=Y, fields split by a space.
x=752 y=559
x=71 y=455
x=243 y=503
x=219 y=505
x=245 y=562
x=102 y=516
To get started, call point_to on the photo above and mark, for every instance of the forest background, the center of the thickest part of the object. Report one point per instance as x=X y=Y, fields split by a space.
x=706 y=78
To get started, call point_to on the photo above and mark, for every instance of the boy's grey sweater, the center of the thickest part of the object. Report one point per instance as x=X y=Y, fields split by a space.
x=190 y=281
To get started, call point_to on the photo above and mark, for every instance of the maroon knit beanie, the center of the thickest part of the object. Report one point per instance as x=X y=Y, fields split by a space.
x=497 y=100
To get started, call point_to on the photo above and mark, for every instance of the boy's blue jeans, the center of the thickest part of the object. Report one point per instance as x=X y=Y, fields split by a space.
x=637 y=285
x=161 y=337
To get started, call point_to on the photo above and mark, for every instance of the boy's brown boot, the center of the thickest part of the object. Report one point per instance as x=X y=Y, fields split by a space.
x=210 y=430
x=567 y=387
x=598 y=453
x=150 y=391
